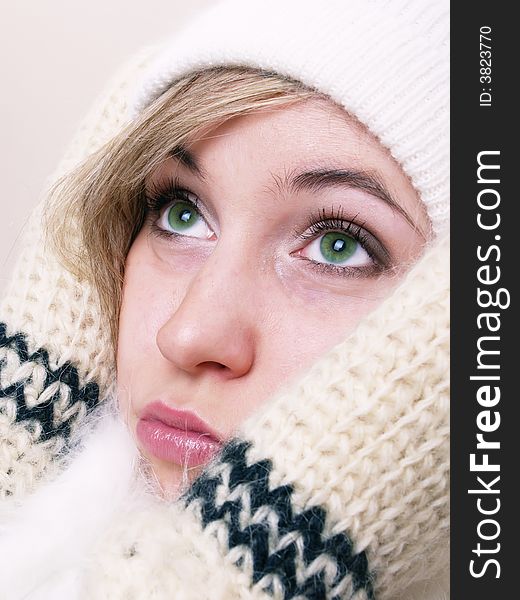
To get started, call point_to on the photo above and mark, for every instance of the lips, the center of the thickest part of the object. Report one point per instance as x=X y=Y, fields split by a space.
x=177 y=436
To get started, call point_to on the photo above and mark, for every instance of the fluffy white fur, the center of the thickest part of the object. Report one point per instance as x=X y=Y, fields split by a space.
x=437 y=588
x=68 y=513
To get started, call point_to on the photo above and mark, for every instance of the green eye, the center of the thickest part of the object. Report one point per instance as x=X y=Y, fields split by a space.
x=338 y=247
x=182 y=216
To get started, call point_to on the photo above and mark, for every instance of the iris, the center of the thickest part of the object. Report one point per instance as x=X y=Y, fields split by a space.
x=337 y=247
x=181 y=216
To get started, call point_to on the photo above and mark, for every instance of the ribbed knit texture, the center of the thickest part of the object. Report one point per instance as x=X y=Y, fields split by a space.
x=338 y=486
x=385 y=61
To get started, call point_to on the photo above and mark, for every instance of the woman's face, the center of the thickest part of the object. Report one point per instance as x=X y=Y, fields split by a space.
x=266 y=241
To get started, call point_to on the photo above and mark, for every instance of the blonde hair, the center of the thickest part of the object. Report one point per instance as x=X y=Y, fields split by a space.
x=96 y=211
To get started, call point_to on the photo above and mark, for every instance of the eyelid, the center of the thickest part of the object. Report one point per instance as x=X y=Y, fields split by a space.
x=346 y=271
x=327 y=220
x=160 y=197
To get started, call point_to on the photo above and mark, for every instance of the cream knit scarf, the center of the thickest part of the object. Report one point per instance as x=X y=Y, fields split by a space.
x=337 y=488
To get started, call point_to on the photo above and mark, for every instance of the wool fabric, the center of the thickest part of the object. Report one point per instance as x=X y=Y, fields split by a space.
x=338 y=487
x=384 y=61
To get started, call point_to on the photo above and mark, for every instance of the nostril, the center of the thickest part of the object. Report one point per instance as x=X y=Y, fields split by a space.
x=213 y=365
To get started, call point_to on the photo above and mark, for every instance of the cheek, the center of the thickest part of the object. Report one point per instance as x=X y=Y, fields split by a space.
x=305 y=330
x=309 y=335
x=146 y=304
x=294 y=337
x=136 y=322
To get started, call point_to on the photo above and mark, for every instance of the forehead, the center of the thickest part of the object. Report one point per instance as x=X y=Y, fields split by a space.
x=272 y=144
x=310 y=133
x=306 y=126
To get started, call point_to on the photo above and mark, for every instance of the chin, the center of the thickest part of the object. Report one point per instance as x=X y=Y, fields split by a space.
x=169 y=480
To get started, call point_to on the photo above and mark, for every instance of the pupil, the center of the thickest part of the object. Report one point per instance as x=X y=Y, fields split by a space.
x=338 y=245
x=185 y=215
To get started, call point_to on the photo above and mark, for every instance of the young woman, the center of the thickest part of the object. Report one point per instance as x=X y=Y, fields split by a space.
x=245 y=270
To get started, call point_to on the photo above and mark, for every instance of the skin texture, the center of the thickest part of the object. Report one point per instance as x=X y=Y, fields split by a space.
x=217 y=321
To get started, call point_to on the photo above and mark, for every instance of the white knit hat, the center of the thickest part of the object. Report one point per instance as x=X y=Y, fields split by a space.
x=384 y=61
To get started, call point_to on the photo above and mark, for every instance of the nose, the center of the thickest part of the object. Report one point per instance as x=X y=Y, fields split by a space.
x=212 y=329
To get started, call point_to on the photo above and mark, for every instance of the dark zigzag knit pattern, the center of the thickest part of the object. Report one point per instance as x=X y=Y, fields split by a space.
x=44 y=412
x=309 y=524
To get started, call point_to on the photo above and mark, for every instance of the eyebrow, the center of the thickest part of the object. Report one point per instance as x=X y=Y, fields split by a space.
x=314 y=180
x=188 y=160
x=318 y=179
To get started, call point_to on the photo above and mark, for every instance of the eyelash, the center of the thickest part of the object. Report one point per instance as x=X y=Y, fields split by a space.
x=324 y=221
x=157 y=197
x=321 y=222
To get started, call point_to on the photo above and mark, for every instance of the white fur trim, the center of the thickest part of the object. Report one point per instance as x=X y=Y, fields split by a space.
x=43 y=541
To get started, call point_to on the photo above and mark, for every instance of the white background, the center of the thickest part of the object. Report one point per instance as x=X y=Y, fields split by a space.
x=56 y=58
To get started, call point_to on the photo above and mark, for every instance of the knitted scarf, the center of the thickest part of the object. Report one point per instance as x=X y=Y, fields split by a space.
x=336 y=488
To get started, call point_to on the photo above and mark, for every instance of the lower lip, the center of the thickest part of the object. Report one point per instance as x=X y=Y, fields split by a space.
x=190 y=448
